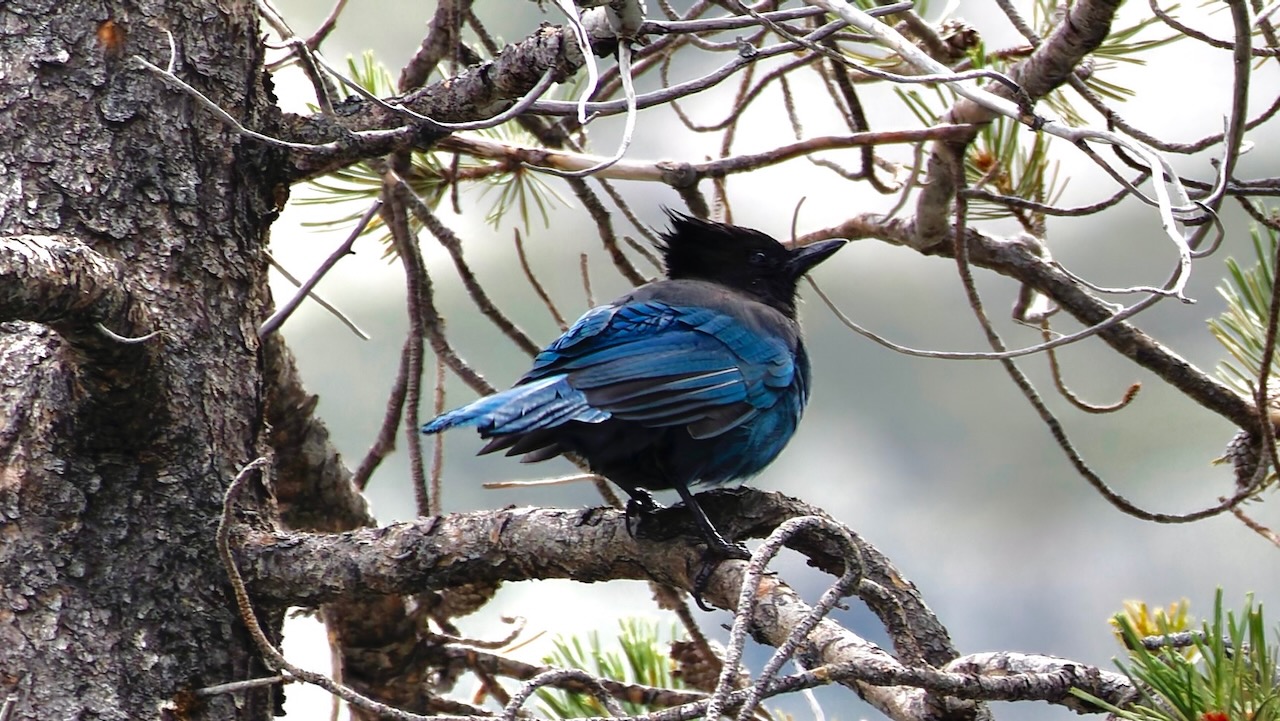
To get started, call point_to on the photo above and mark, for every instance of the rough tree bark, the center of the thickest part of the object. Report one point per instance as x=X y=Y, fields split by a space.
x=138 y=213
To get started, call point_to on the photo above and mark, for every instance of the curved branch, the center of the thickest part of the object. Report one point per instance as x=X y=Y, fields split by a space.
x=68 y=286
x=681 y=174
x=312 y=485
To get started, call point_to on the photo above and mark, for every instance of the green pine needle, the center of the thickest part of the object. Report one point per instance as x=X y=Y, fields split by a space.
x=1232 y=677
x=1242 y=327
x=638 y=659
x=1002 y=160
x=359 y=185
x=641 y=657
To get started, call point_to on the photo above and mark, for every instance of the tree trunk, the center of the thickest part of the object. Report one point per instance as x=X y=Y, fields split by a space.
x=125 y=206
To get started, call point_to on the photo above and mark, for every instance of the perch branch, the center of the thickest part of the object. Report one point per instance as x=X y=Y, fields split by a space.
x=511 y=544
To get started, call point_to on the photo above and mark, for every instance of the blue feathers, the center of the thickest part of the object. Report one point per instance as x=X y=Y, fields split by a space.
x=546 y=403
x=699 y=378
x=654 y=364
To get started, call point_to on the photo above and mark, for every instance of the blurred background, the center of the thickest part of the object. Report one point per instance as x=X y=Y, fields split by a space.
x=941 y=464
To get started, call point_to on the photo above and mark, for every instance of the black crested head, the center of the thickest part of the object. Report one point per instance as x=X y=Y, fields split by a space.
x=743 y=259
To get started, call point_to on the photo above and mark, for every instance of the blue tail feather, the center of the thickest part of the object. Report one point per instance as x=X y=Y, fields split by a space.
x=543 y=403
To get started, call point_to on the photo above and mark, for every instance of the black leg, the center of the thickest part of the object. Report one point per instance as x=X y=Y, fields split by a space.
x=718 y=549
x=715 y=542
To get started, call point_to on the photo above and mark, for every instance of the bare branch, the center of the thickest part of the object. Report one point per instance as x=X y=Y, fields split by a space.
x=396 y=217
x=604 y=226
x=1015 y=260
x=443 y=38
x=343 y=318
x=275 y=659
x=272 y=324
x=534 y=283
x=366 y=129
x=682 y=174
x=508 y=545
x=385 y=443
x=1065 y=391
x=453 y=244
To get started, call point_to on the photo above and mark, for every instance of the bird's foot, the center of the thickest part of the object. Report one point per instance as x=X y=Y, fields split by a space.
x=718 y=550
x=640 y=501
x=643 y=522
x=640 y=512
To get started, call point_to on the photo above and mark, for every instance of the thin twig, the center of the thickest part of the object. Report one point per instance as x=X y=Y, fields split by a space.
x=604 y=226
x=1065 y=391
x=520 y=106
x=396 y=218
x=342 y=317
x=1058 y=342
x=736 y=22
x=584 y=266
x=1191 y=32
x=238 y=686
x=1014 y=201
x=437 y=451
x=274 y=659
x=858 y=123
x=385 y=443
x=272 y=324
x=231 y=122
x=127 y=340
x=556 y=676
x=453 y=244
x=537 y=285
x=830 y=599
x=1055 y=427
x=630 y=215
x=679 y=90
x=1264 y=379
x=541 y=482
x=748 y=598
x=743 y=99
x=1256 y=527
x=682 y=175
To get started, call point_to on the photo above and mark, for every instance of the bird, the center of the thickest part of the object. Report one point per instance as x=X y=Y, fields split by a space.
x=697 y=378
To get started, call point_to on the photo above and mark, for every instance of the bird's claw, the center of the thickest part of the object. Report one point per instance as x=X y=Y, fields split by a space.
x=641 y=502
x=639 y=512
x=711 y=559
x=641 y=523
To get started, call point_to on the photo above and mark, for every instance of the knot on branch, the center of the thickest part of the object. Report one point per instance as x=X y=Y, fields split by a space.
x=66 y=285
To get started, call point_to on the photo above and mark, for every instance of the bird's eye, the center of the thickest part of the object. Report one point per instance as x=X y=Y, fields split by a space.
x=758 y=258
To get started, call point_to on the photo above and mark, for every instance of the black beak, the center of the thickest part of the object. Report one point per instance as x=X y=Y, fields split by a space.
x=803 y=259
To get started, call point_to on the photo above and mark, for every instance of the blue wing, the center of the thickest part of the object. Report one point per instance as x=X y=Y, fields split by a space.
x=649 y=362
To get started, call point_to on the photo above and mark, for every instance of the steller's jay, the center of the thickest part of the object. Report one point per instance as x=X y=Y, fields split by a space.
x=699 y=378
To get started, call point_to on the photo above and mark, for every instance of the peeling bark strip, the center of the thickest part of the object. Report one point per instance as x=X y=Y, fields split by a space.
x=121 y=204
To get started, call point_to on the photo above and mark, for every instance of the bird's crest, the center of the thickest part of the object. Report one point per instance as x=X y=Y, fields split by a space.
x=741 y=259
x=706 y=250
